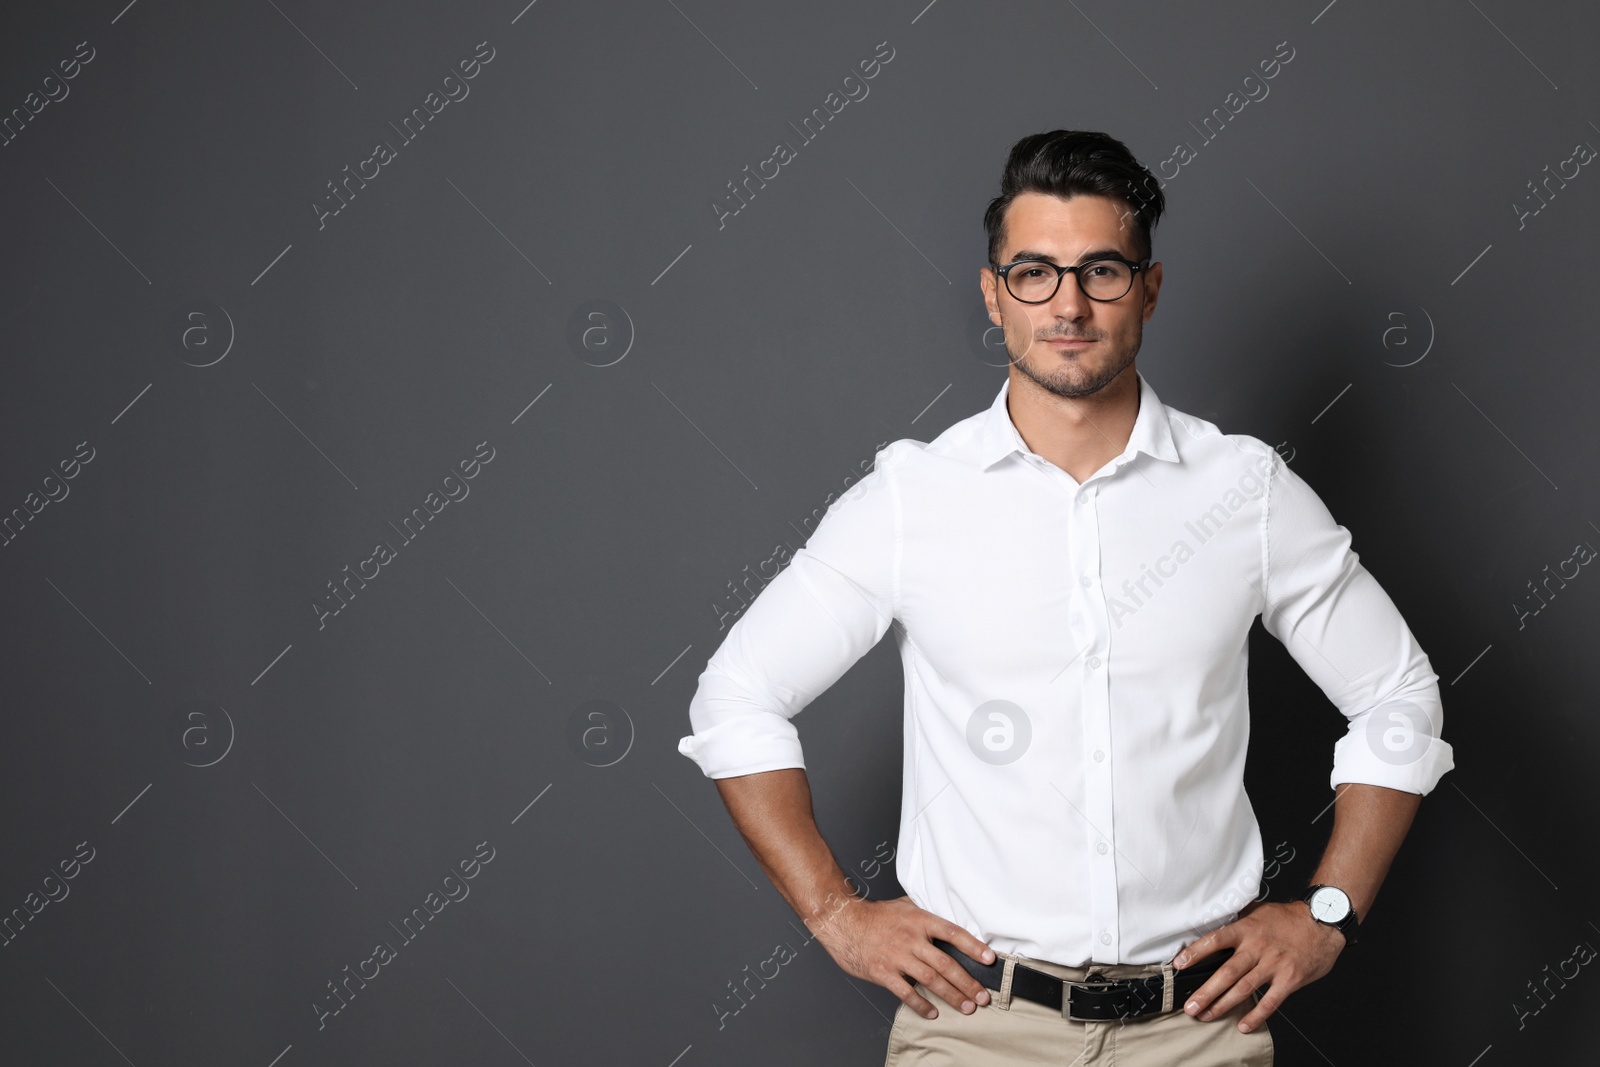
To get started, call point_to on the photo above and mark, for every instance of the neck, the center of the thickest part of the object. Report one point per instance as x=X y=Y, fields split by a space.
x=1078 y=434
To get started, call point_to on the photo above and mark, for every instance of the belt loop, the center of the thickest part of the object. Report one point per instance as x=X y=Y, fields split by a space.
x=1167 y=987
x=1002 y=999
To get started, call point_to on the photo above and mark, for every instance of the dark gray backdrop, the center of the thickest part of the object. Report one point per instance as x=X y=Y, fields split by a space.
x=220 y=796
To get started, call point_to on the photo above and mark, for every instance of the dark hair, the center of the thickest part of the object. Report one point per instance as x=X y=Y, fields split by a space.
x=1072 y=163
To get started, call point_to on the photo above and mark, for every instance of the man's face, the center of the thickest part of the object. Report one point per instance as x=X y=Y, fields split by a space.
x=1070 y=345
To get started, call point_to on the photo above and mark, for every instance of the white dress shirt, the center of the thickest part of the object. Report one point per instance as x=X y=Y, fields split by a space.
x=1076 y=711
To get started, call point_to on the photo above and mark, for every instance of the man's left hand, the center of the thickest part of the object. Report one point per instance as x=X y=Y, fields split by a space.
x=1278 y=945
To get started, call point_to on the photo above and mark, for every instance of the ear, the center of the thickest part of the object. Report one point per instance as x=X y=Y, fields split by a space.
x=988 y=284
x=1152 y=290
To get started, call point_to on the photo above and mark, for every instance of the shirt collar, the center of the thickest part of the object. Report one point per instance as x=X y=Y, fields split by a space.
x=1152 y=432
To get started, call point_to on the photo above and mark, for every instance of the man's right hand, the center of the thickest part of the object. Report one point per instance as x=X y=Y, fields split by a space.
x=888 y=941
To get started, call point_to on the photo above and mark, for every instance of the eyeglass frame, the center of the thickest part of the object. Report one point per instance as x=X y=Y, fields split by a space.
x=1003 y=272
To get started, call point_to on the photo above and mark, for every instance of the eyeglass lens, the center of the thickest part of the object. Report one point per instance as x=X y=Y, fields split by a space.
x=1101 y=279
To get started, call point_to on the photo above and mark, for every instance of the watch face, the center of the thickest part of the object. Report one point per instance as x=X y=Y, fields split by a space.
x=1329 y=904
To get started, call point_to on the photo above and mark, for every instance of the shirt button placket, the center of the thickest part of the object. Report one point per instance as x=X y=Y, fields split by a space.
x=1096 y=704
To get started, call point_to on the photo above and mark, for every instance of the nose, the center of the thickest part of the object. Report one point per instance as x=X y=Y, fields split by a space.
x=1069 y=301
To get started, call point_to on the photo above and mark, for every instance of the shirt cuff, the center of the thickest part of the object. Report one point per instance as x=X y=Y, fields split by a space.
x=1354 y=760
x=745 y=744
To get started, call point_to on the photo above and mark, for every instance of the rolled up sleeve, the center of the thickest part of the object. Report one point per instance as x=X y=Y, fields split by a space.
x=803 y=631
x=1345 y=632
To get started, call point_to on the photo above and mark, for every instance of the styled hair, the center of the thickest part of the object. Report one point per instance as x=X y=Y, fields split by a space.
x=1070 y=163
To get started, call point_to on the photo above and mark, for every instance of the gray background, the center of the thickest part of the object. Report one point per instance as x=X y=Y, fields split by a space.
x=265 y=799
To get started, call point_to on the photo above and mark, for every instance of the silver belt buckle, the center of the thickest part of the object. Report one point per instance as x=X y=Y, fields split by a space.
x=1093 y=980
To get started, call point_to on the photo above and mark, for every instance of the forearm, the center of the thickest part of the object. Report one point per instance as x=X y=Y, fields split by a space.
x=772 y=811
x=1279 y=947
x=1369 y=823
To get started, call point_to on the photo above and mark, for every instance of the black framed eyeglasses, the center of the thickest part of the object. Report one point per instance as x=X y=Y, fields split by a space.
x=1034 y=281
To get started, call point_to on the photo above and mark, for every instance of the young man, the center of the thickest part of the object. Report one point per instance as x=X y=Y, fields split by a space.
x=1072 y=576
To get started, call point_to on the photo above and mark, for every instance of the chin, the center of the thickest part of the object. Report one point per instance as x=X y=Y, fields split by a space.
x=1073 y=375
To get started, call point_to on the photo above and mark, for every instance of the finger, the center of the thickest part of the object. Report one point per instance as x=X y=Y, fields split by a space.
x=1233 y=997
x=964 y=941
x=912 y=999
x=1219 y=983
x=1264 y=1007
x=1212 y=943
x=961 y=939
x=1196 y=950
x=936 y=982
x=956 y=974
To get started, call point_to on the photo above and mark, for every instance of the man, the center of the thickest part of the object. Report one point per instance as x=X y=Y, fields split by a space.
x=1072 y=576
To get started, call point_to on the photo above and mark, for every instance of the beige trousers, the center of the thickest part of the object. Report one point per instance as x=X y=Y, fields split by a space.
x=1010 y=1030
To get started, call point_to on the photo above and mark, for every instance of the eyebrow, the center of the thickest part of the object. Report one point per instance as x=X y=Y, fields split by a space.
x=1098 y=253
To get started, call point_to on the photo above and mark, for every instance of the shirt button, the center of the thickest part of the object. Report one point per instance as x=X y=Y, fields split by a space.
x=1086 y=581
x=1099 y=756
x=1094 y=661
x=1101 y=848
x=1105 y=938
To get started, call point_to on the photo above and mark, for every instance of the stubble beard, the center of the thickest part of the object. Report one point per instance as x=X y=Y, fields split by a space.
x=1070 y=377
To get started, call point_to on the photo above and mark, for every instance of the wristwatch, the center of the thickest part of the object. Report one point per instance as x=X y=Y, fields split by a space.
x=1331 y=907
